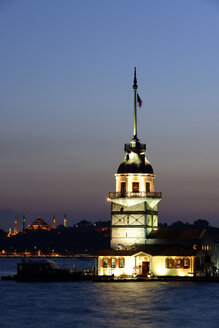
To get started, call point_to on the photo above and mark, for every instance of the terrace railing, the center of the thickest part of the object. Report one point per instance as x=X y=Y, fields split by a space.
x=113 y=195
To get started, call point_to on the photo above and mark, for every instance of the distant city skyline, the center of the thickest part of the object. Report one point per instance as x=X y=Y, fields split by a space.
x=66 y=104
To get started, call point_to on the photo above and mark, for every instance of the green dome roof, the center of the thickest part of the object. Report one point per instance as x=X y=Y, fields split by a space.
x=135 y=163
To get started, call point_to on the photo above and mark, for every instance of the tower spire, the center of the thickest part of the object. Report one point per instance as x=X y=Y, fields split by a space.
x=135 y=87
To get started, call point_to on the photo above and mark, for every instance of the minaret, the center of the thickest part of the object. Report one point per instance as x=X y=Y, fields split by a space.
x=134 y=210
x=15 y=226
x=24 y=221
x=65 y=221
x=9 y=232
x=54 y=222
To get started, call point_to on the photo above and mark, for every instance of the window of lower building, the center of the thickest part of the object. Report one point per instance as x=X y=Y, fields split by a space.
x=105 y=262
x=121 y=262
x=186 y=263
x=169 y=263
x=113 y=263
x=178 y=263
x=148 y=189
x=135 y=187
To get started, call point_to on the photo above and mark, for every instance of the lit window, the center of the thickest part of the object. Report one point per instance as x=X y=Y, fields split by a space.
x=123 y=188
x=186 y=263
x=105 y=263
x=135 y=187
x=169 y=263
x=178 y=263
x=148 y=189
x=154 y=220
x=121 y=262
x=113 y=263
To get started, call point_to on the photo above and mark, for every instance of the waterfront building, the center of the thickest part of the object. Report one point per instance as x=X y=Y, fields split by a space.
x=134 y=204
x=147 y=261
x=168 y=252
x=138 y=246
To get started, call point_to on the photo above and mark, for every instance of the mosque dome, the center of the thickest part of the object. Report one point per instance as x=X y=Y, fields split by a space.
x=39 y=224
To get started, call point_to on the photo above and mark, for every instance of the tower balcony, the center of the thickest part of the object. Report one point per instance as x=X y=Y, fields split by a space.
x=141 y=194
x=133 y=146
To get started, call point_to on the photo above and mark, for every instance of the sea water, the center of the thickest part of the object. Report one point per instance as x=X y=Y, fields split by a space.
x=101 y=304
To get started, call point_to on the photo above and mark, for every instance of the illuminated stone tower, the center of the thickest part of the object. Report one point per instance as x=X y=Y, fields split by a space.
x=134 y=205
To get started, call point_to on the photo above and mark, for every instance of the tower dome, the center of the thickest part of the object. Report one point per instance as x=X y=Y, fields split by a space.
x=135 y=160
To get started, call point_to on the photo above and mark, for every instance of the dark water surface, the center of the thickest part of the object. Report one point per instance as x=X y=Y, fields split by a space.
x=89 y=304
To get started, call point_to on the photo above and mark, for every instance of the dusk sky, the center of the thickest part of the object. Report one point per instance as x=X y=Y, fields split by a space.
x=66 y=104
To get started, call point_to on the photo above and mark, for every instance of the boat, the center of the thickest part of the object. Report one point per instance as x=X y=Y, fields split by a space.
x=43 y=270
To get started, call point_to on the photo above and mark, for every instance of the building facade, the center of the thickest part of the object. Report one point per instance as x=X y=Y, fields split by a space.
x=148 y=262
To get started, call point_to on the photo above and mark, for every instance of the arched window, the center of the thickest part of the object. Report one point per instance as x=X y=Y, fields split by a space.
x=148 y=187
x=135 y=187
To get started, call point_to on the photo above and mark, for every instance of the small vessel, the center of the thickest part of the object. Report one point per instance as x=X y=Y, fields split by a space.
x=43 y=270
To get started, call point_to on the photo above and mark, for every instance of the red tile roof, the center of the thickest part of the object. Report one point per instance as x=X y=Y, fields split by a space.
x=165 y=233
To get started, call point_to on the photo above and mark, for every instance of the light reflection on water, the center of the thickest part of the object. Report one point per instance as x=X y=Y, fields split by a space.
x=89 y=304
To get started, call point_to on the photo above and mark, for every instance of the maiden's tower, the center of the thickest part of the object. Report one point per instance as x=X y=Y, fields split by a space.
x=134 y=204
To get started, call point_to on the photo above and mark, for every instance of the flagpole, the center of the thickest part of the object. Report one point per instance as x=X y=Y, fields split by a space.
x=135 y=87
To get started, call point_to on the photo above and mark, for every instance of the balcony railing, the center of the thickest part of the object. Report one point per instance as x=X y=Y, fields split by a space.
x=135 y=194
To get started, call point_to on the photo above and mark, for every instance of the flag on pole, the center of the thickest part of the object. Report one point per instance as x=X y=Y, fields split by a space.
x=139 y=101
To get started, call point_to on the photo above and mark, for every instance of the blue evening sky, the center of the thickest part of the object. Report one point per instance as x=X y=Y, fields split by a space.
x=66 y=104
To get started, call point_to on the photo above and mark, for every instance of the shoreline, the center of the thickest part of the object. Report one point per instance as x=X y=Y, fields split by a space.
x=52 y=256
